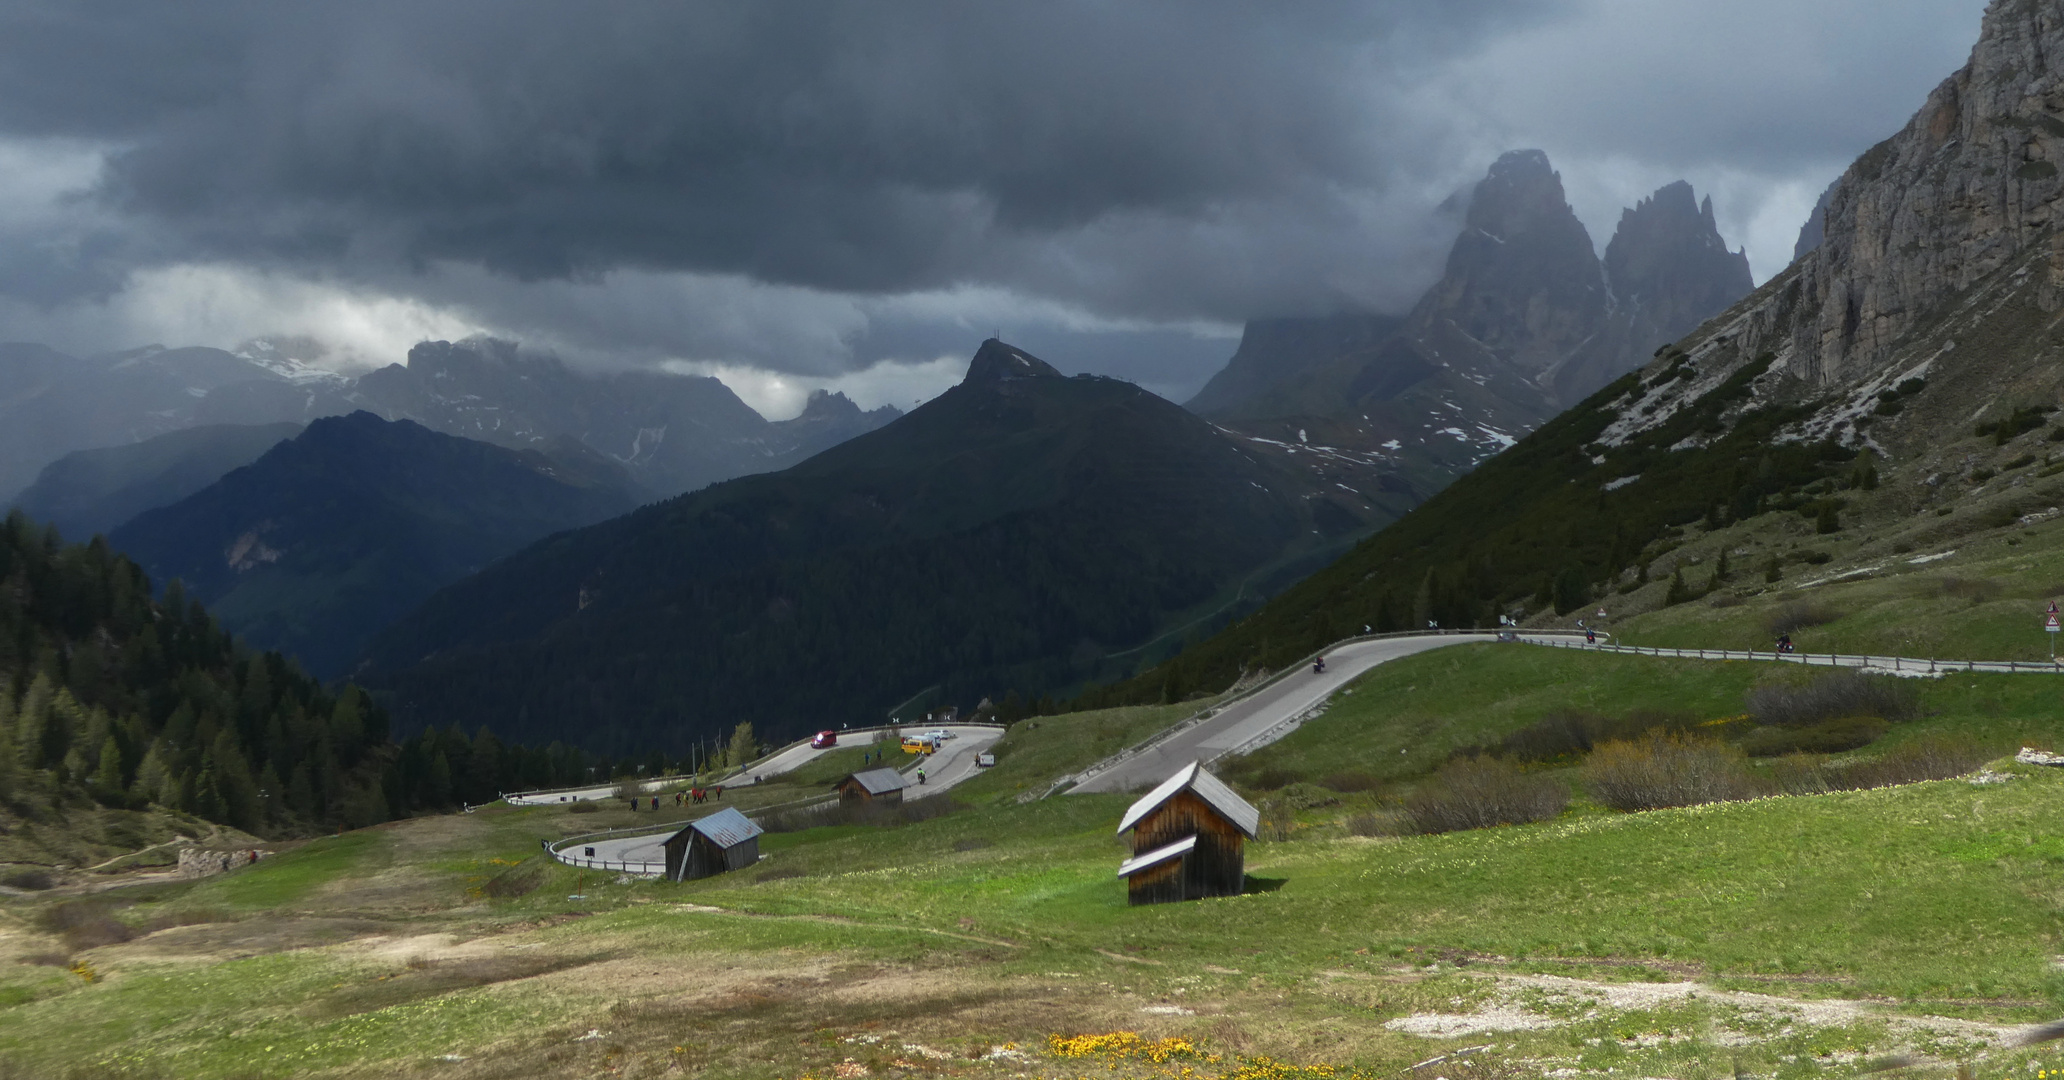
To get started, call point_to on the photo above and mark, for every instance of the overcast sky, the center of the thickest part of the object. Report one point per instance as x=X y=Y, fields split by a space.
x=816 y=193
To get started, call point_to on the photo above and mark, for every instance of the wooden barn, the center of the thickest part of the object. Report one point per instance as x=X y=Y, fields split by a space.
x=1188 y=839
x=883 y=785
x=725 y=840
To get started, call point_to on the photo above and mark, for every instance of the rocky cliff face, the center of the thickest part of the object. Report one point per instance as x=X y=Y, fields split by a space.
x=1941 y=260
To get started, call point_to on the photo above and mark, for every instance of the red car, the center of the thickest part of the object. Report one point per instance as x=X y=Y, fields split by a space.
x=824 y=739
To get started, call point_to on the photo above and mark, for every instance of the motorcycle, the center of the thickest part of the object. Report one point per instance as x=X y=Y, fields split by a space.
x=1318 y=666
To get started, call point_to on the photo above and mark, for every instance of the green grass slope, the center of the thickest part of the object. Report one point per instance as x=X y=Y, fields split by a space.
x=989 y=939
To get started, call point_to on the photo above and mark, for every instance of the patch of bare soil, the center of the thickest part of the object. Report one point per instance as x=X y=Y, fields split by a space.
x=1506 y=1009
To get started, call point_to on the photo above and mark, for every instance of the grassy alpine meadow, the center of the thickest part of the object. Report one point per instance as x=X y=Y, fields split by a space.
x=1784 y=936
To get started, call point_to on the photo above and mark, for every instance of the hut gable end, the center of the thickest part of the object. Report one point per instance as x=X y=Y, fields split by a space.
x=1188 y=840
x=1192 y=780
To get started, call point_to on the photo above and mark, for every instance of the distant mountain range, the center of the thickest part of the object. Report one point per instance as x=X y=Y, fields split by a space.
x=1525 y=320
x=673 y=433
x=331 y=535
x=1022 y=531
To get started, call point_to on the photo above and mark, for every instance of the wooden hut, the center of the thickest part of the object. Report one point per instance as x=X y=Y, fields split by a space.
x=1188 y=839
x=725 y=840
x=882 y=785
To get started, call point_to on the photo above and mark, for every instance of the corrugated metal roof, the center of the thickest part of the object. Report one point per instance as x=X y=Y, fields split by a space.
x=879 y=781
x=1192 y=777
x=727 y=827
x=1157 y=856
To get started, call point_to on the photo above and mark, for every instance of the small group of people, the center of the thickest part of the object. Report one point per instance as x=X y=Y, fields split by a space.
x=705 y=794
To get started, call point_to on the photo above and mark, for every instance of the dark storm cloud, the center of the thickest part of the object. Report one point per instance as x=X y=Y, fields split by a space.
x=805 y=187
x=846 y=146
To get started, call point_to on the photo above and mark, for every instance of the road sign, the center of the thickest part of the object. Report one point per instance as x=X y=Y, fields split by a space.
x=2051 y=625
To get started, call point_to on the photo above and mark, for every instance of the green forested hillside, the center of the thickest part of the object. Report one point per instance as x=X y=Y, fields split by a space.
x=106 y=695
x=110 y=697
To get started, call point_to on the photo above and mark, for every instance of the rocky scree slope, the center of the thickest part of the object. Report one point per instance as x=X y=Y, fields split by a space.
x=1907 y=364
x=1008 y=535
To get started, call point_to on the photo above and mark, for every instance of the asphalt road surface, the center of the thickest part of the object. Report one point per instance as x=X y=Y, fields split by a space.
x=1252 y=716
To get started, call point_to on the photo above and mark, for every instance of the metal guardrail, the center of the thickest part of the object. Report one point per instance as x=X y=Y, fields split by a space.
x=1894 y=664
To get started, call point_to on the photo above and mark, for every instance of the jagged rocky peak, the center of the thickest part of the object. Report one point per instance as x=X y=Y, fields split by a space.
x=829 y=405
x=1523 y=278
x=996 y=362
x=1521 y=192
x=1669 y=266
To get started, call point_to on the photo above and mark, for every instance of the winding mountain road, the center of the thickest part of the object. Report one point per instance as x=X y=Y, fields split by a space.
x=1261 y=716
x=1275 y=710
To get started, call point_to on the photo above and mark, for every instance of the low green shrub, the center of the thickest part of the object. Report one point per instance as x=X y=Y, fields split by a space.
x=1834 y=696
x=1666 y=770
x=1475 y=793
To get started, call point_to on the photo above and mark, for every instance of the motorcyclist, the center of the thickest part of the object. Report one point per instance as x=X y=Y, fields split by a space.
x=1318 y=666
x=1590 y=636
x=1784 y=643
x=920 y=774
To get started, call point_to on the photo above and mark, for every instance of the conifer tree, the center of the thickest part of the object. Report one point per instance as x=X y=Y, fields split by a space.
x=108 y=778
x=1679 y=592
x=32 y=723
